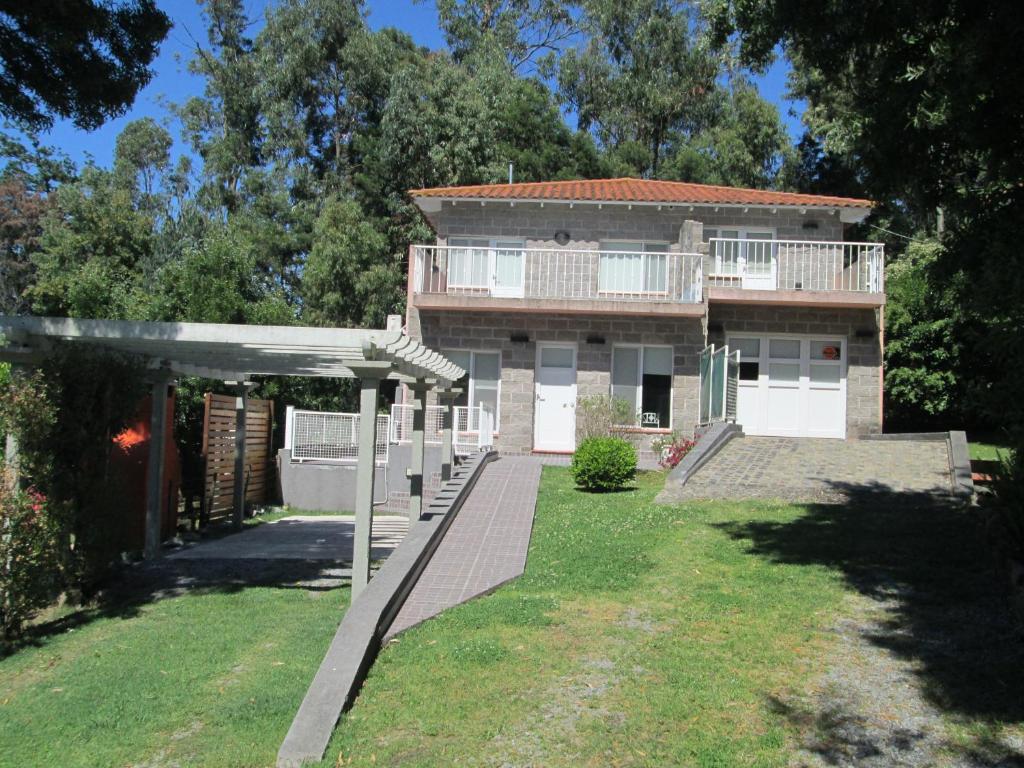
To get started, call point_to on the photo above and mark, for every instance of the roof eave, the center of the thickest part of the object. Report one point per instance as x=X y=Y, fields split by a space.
x=432 y=203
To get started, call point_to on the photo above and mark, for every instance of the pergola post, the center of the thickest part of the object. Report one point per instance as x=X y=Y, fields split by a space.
x=365 y=471
x=419 y=425
x=155 y=467
x=238 y=495
x=447 y=398
x=12 y=452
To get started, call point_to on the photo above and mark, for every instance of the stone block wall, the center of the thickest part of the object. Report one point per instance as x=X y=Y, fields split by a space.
x=489 y=331
x=864 y=353
x=587 y=225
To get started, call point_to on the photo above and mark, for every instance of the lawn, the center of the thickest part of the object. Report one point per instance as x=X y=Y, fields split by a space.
x=986 y=451
x=640 y=635
x=212 y=678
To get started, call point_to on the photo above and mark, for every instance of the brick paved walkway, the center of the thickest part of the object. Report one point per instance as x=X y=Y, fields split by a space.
x=807 y=469
x=486 y=544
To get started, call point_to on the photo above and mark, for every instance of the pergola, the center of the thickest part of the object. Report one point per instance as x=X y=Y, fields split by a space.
x=235 y=354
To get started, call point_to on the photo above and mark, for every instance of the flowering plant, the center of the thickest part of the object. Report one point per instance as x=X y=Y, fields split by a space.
x=673 y=449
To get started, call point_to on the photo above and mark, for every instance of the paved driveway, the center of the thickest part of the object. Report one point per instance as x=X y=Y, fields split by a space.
x=807 y=469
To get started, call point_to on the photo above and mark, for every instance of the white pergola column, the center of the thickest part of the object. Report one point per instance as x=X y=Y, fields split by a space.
x=419 y=425
x=155 y=467
x=238 y=495
x=365 y=471
x=447 y=398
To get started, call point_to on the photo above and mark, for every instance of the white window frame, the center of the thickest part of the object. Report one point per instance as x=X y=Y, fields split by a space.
x=609 y=246
x=742 y=233
x=640 y=385
x=471 y=393
x=492 y=248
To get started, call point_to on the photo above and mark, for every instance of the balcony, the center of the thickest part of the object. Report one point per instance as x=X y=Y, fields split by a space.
x=786 y=272
x=806 y=272
x=559 y=280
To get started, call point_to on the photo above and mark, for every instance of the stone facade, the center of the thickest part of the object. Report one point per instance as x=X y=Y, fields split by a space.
x=588 y=225
x=858 y=326
x=490 y=332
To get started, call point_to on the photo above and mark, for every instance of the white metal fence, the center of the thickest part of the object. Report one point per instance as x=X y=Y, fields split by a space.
x=809 y=265
x=473 y=429
x=334 y=437
x=401 y=423
x=558 y=273
x=330 y=436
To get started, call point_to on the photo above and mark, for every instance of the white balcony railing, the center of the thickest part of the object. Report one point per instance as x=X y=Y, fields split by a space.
x=552 y=273
x=795 y=265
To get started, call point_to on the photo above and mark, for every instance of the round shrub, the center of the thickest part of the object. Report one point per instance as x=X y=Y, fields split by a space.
x=604 y=463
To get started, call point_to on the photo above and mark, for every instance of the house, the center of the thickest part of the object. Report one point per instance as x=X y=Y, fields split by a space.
x=548 y=292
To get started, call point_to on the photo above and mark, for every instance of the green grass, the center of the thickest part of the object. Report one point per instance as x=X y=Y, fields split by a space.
x=988 y=451
x=639 y=635
x=206 y=679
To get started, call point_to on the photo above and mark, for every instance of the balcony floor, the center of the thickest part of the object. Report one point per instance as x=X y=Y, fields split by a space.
x=792 y=298
x=443 y=301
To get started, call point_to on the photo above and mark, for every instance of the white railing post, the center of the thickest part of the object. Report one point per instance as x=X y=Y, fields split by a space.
x=289 y=425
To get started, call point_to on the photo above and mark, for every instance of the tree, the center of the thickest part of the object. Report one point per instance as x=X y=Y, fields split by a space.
x=522 y=30
x=82 y=60
x=640 y=79
x=223 y=126
x=93 y=250
x=21 y=216
x=925 y=100
x=350 y=278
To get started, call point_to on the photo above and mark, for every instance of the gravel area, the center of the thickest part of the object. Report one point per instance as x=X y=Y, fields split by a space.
x=871 y=709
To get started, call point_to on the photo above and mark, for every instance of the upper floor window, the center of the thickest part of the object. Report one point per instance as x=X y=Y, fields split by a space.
x=486 y=264
x=632 y=266
x=742 y=250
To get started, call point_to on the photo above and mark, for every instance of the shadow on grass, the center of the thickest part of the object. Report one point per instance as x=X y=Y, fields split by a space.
x=132 y=587
x=924 y=557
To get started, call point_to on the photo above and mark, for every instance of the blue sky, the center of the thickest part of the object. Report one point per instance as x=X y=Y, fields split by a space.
x=173 y=83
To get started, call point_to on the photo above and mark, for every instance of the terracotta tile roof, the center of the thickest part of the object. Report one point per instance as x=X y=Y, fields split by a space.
x=637 y=191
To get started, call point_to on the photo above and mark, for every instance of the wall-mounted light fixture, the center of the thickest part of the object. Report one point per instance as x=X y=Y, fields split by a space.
x=519 y=338
x=562 y=237
x=864 y=333
x=809 y=224
x=595 y=339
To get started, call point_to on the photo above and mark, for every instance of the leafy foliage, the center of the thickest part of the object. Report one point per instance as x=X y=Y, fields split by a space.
x=601 y=415
x=78 y=59
x=30 y=577
x=604 y=463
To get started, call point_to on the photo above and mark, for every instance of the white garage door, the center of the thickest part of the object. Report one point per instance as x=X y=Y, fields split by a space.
x=791 y=386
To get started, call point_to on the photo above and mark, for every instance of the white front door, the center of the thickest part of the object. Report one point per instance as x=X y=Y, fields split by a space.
x=554 y=412
x=791 y=386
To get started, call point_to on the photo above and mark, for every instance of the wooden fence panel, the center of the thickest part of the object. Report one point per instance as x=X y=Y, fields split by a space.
x=219 y=453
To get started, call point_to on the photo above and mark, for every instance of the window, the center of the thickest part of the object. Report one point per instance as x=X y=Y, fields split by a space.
x=485 y=263
x=482 y=382
x=733 y=256
x=750 y=357
x=633 y=267
x=642 y=376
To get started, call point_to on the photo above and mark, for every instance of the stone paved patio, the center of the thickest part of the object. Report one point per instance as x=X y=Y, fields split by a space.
x=807 y=469
x=486 y=544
